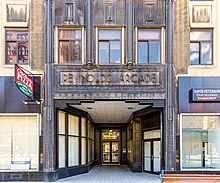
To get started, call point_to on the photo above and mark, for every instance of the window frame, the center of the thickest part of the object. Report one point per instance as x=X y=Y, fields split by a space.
x=148 y=41
x=58 y=40
x=200 y=49
x=17 y=42
x=121 y=40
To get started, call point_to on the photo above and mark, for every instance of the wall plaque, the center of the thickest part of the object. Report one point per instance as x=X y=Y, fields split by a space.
x=205 y=94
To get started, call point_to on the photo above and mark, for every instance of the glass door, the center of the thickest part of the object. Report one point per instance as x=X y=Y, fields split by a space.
x=152 y=156
x=115 y=152
x=147 y=156
x=110 y=146
x=106 y=152
x=156 y=156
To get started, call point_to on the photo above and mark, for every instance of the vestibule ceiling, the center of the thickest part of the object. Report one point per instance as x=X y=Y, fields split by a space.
x=110 y=111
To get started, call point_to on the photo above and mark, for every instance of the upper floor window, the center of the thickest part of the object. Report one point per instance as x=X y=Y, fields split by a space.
x=17 y=47
x=109 y=46
x=201 y=47
x=70 y=46
x=148 y=47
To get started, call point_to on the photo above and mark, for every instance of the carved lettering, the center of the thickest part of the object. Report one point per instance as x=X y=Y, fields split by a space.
x=109 y=78
x=134 y=78
x=106 y=78
x=90 y=78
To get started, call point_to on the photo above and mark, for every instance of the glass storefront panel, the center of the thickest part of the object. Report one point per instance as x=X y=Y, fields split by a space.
x=19 y=138
x=83 y=126
x=73 y=151
x=200 y=142
x=73 y=125
x=83 y=153
x=62 y=151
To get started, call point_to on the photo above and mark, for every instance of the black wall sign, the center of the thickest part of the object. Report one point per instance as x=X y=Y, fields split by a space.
x=205 y=95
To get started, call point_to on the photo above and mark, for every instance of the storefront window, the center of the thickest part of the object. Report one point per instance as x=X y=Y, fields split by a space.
x=83 y=141
x=90 y=142
x=19 y=149
x=62 y=138
x=73 y=140
x=200 y=142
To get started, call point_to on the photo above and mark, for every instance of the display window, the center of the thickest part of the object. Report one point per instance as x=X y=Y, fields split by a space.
x=200 y=141
x=19 y=142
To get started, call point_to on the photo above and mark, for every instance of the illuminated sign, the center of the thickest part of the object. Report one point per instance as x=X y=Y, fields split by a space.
x=24 y=82
x=205 y=94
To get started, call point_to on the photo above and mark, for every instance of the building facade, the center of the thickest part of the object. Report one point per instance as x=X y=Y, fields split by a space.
x=115 y=82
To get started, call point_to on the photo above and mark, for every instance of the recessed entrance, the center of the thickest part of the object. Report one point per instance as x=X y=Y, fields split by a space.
x=110 y=146
x=110 y=133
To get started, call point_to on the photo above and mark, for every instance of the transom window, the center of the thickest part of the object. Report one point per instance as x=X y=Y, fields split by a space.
x=148 y=47
x=17 y=47
x=70 y=46
x=201 y=47
x=109 y=46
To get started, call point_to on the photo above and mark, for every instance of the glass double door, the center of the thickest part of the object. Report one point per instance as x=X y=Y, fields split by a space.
x=152 y=158
x=110 y=152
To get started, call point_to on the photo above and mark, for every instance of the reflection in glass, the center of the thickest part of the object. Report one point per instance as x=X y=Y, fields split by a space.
x=154 y=52
x=201 y=47
x=148 y=47
x=206 y=53
x=109 y=46
x=200 y=142
x=103 y=52
x=194 y=53
x=17 y=47
x=142 y=52
x=70 y=46
x=115 y=55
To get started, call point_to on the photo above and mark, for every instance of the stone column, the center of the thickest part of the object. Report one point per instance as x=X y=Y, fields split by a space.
x=130 y=33
x=48 y=109
x=170 y=122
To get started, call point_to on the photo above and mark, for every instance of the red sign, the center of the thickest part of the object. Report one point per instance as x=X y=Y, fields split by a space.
x=24 y=82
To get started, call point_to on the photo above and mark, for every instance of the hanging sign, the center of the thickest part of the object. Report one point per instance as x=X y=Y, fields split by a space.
x=24 y=82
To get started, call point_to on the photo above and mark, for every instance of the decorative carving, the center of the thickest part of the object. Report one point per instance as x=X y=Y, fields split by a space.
x=108 y=95
x=110 y=12
x=149 y=12
x=201 y=14
x=69 y=12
